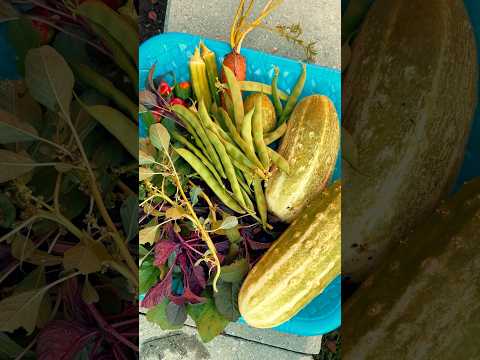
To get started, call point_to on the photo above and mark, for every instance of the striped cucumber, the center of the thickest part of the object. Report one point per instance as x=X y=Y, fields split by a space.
x=310 y=146
x=409 y=98
x=297 y=267
x=422 y=303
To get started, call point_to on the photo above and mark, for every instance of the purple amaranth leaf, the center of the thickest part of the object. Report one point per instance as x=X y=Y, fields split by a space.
x=163 y=249
x=222 y=246
x=157 y=293
x=187 y=296
x=256 y=245
x=197 y=279
x=62 y=340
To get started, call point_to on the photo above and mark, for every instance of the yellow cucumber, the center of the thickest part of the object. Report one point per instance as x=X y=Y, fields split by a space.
x=310 y=146
x=298 y=266
x=409 y=98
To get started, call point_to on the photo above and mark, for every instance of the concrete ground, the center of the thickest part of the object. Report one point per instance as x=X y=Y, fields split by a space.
x=320 y=20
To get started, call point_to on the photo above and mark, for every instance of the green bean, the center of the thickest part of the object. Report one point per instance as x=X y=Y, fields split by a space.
x=119 y=55
x=209 y=179
x=239 y=140
x=276 y=134
x=293 y=98
x=257 y=132
x=182 y=140
x=246 y=130
x=205 y=119
x=223 y=133
x=106 y=87
x=228 y=166
x=276 y=97
x=237 y=155
x=217 y=118
x=190 y=129
x=242 y=181
x=100 y=14
x=247 y=172
x=248 y=202
x=261 y=201
x=228 y=104
x=194 y=121
x=253 y=86
x=279 y=160
x=236 y=95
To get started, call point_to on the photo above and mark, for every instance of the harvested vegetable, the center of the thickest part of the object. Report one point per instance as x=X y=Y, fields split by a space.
x=219 y=156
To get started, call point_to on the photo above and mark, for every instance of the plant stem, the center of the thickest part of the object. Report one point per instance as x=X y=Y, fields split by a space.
x=126 y=322
x=109 y=329
x=122 y=247
x=27 y=349
x=56 y=193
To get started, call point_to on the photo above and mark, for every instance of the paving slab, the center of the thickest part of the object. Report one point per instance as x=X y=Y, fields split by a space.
x=320 y=20
x=185 y=344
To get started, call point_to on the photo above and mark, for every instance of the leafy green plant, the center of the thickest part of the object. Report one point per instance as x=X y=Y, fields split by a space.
x=68 y=215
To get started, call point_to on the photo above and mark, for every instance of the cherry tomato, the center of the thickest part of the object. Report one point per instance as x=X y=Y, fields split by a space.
x=164 y=89
x=177 y=101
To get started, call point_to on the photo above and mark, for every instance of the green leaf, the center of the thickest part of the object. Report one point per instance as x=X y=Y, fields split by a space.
x=194 y=192
x=13 y=129
x=230 y=222
x=87 y=257
x=148 y=275
x=234 y=272
x=147 y=120
x=9 y=349
x=144 y=158
x=158 y=315
x=89 y=293
x=148 y=235
x=210 y=323
x=49 y=78
x=36 y=280
x=129 y=215
x=226 y=300
x=7 y=212
x=142 y=251
x=23 y=37
x=176 y=314
x=14 y=165
x=144 y=173
x=24 y=250
x=21 y=310
x=120 y=126
x=159 y=136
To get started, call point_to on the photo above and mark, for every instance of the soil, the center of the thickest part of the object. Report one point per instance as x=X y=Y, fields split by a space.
x=151 y=18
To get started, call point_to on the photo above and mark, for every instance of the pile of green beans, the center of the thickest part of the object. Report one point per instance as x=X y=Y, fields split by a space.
x=228 y=148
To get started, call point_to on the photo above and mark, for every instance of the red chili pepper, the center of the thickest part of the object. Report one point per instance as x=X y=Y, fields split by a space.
x=164 y=89
x=184 y=85
x=177 y=101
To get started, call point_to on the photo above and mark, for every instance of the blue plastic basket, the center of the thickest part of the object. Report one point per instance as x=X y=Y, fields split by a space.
x=171 y=53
